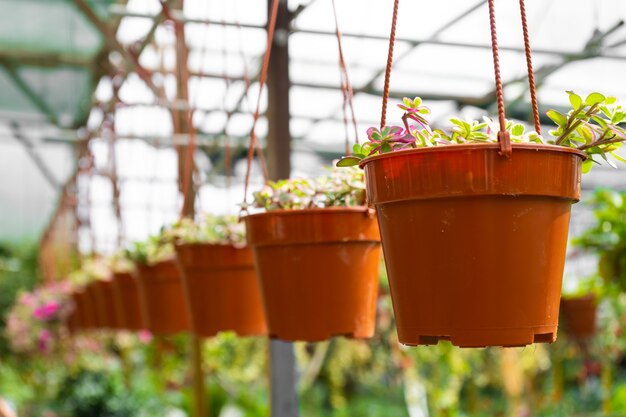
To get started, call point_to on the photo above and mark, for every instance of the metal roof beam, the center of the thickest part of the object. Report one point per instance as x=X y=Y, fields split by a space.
x=32 y=95
x=113 y=43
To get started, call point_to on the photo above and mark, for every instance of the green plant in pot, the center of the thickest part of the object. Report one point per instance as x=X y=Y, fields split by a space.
x=161 y=295
x=474 y=218
x=220 y=282
x=316 y=249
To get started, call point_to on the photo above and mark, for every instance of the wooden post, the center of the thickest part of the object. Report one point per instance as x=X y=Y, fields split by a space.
x=283 y=380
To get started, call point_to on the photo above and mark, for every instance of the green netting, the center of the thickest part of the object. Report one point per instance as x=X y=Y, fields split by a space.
x=64 y=90
x=47 y=53
x=12 y=98
x=50 y=26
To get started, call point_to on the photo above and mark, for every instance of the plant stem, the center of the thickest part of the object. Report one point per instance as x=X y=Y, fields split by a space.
x=574 y=125
x=599 y=143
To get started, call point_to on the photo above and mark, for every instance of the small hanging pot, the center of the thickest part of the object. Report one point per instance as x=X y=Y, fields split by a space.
x=222 y=289
x=579 y=316
x=93 y=312
x=127 y=301
x=318 y=270
x=78 y=299
x=162 y=299
x=474 y=242
x=105 y=305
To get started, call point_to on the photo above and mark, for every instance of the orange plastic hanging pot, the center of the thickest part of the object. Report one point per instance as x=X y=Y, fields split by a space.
x=222 y=289
x=78 y=298
x=579 y=316
x=318 y=270
x=105 y=304
x=74 y=320
x=93 y=312
x=474 y=242
x=162 y=299
x=127 y=301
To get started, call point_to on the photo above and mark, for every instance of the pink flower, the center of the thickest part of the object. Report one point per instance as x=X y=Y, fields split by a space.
x=47 y=311
x=145 y=336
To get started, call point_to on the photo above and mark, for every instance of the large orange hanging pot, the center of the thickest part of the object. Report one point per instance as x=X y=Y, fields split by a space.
x=222 y=289
x=579 y=316
x=162 y=299
x=127 y=301
x=474 y=242
x=318 y=270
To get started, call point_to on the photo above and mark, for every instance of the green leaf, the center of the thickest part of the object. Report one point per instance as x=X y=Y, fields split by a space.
x=619 y=158
x=417 y=102
x=348 y=161
x=408 y=102
x=594 y=98
x=458 y=122
x=356 y=148
x=575 y=99
x=610 y=100
x=517 y=129
x=557 y=117
x=385 y=148
x=587 y=165
x=600 y=121
x=618 y=117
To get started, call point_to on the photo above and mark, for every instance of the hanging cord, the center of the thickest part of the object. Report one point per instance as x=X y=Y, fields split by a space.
x=346 y=87
x=504 y=138
x=392 y=41
x=266 y=60
x=529 y=66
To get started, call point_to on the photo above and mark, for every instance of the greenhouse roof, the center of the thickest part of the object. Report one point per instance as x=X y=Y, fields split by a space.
x=54 y=53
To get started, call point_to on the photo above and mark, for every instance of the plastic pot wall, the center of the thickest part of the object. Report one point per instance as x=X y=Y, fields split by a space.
x=221 y=289
x=162 y=299
x=579 y=316
x=127 y=301
x=318 y=270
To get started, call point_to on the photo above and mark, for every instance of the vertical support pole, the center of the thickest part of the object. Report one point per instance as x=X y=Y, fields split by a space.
x=283 y=380
x=199 y=394
x=279 y=137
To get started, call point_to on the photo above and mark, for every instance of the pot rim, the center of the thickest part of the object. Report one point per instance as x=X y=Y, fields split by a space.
x=287 y=212
x=474 y=146
x=208 y=244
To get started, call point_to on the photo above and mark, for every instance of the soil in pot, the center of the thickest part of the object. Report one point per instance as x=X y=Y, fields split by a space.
x=475 y=243
x=579 y=316
x=222 y=289
x=318 y=270
x=162 y=299
x=127 y=302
